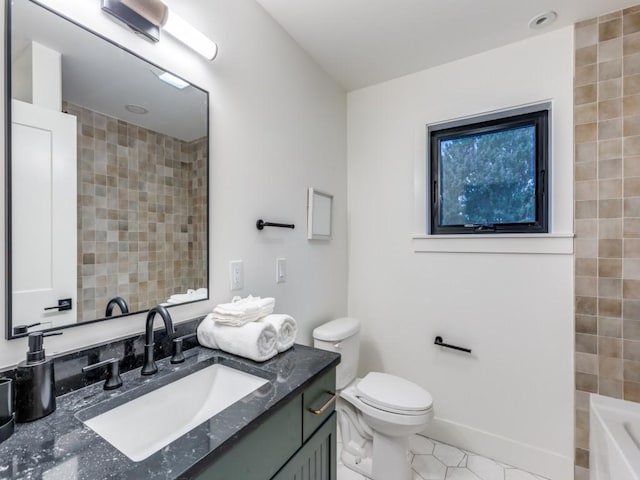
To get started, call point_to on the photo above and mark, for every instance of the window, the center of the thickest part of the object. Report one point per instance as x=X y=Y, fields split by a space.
x=489 y=174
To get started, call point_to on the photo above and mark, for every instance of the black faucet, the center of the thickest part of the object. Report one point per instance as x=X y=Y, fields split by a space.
x=149 y=367
x=120 y=302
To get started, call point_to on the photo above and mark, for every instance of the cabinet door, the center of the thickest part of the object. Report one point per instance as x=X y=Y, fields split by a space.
x=316 y=460
x=261 y=453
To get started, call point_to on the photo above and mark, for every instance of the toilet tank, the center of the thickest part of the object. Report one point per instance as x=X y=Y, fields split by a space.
x=341 y=335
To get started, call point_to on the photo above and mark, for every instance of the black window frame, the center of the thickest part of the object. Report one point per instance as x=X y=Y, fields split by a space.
x=538 y=116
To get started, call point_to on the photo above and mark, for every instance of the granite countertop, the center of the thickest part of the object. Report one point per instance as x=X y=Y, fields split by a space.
x=61 y=447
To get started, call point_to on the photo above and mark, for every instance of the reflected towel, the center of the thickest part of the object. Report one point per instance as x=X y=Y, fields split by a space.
x=190 y=296
x=254 y=340
x=286 y=328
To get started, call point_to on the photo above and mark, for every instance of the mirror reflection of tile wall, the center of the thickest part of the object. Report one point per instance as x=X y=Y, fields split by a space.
x=142 y=205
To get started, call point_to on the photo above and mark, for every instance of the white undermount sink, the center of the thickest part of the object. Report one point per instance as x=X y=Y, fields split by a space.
x=148 y=423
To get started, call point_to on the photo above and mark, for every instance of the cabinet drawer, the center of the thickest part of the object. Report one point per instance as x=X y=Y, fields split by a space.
x=318 y=402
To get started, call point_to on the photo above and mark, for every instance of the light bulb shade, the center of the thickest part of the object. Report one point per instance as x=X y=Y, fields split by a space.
x=147 y=17
x=153 y=11
x=132 y=19
x=184 y=32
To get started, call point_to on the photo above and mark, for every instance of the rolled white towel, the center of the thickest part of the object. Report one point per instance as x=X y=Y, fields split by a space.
x=286 y=328
x=254 y=340
x=206 y=336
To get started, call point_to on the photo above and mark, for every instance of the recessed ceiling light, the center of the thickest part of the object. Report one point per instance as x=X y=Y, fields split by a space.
x=543 y=20
x=137 y=109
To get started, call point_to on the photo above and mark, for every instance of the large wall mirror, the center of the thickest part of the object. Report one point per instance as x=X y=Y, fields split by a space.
x=107 y=177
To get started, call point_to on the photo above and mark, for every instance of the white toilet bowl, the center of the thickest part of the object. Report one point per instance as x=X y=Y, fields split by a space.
x=391 y=425
x=389 y=409
x=378 y=413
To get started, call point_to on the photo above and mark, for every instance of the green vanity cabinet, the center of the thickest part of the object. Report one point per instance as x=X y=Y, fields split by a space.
x=294 y=443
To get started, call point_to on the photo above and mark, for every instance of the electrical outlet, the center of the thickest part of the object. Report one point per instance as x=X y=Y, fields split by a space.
x=281 y=270
x=236 y=271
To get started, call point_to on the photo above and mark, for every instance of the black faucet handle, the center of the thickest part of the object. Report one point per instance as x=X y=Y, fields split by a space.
x=178 y=356
x=113 y=372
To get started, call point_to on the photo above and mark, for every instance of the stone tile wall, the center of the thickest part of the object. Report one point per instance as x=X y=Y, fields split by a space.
x=142 y=204
x=607 y=215
x=198 y=222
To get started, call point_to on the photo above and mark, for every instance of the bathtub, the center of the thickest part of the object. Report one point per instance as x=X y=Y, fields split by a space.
x=614 y=439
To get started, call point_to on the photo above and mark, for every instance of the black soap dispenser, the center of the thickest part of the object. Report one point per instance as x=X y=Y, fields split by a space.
x=35 y=382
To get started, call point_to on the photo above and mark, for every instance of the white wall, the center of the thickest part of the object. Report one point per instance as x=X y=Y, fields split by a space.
x=512 y=399
x=278 y=126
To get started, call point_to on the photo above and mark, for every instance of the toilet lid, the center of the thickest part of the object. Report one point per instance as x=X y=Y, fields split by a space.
x=389 y=392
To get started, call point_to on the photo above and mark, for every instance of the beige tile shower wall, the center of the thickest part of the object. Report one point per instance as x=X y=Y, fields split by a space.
x=141 y=214
x=607 y=215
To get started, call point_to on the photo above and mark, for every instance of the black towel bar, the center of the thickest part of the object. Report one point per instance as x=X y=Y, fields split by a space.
x=260 y=224
x=438 y=341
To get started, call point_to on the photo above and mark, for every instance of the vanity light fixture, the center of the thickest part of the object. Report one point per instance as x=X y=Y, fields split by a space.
x=174 y=81
x=148 y=17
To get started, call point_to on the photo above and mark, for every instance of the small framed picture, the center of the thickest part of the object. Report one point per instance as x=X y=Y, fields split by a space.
x=319 y=205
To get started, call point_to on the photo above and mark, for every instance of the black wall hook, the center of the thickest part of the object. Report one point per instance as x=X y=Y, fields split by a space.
x=260 y=224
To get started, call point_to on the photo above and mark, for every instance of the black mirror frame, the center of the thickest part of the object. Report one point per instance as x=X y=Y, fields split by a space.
x=10 y=330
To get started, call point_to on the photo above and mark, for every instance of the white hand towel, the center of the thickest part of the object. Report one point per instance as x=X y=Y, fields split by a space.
x=233 y=310
x=254 y=340
x=236 y=314
x=234 y=320
x=286 y=328
x=266 y=305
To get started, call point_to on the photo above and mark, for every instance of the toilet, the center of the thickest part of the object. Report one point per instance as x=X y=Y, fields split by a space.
x=377 y=413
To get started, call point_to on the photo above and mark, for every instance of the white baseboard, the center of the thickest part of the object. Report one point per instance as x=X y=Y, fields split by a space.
x=505 y=450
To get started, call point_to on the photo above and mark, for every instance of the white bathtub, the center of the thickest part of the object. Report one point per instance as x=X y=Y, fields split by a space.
x=614 y=439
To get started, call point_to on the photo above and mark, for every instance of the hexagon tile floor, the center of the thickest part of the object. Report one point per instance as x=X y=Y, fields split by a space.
x=433 y=460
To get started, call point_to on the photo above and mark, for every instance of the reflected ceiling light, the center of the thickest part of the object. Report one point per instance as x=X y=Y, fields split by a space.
x=137 y=109
x=147 y=17
x=174 y=81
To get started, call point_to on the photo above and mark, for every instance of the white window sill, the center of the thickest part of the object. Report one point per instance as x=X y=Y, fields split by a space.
x=544 y=244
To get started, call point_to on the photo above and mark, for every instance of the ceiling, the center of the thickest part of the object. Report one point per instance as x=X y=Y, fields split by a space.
x=364 y=42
